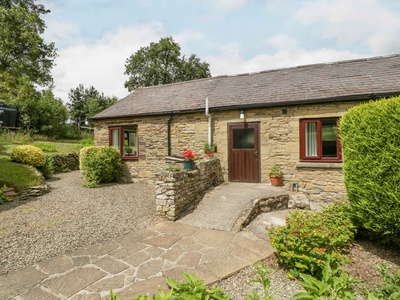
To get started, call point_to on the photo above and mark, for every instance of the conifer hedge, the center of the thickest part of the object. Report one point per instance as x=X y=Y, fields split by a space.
x=370 y=136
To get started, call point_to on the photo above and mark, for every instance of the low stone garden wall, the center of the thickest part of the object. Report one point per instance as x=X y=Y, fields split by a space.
x=178 y=190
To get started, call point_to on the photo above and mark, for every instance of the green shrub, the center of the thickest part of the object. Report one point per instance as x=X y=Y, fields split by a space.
x=3 y=197
x=309 y=240
x=370 y=137
x=190 y=288
x=29 y=155
x=65 y=163
x=48 y=169
x=100 y=165
x=46 y=147
x=335 y=284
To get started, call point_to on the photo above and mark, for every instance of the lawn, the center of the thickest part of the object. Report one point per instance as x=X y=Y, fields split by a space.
x=21 y=176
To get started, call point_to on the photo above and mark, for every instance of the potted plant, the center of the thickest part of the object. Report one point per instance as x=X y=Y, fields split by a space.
x=190 y=157
x=209 y=150
x=275 y=175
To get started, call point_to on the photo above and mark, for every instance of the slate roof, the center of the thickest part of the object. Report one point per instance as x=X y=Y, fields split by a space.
x=359 y=79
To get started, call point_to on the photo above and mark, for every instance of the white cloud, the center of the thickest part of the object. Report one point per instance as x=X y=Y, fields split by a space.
x=230 y=62
x=282 y=42
x=102 y=64
x=228 y=5
x=365 y=21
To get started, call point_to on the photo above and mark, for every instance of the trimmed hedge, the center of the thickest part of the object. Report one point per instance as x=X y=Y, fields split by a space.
x=370 y=135
x=100 y=165
x=29 y=155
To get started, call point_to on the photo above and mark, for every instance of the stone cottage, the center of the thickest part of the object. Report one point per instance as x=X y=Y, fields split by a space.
x=285 y=116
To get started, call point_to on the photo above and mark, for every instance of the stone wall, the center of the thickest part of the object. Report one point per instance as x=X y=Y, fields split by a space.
x=279 y=143
x=177 y=191
x=152 y=144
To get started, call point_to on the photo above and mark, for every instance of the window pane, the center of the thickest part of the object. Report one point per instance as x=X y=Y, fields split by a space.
x=115 y=138
x=311 y=139
x=329 y=144
x=130 y=148
x=243 y=138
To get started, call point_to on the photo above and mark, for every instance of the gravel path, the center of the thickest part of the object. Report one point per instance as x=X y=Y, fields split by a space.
x=69 y=217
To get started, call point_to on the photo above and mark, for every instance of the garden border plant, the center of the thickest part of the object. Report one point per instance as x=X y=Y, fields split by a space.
x=310 y=239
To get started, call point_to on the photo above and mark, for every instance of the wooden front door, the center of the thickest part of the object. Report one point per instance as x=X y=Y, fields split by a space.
x=244 y=152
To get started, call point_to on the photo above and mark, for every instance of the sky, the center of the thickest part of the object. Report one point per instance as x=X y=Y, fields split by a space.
x=94 y=38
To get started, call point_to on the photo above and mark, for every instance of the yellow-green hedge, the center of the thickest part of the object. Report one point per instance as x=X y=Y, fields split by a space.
x=100 y=165
x=29 y=155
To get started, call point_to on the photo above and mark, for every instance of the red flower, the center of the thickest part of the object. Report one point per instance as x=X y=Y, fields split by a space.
x=189 y=155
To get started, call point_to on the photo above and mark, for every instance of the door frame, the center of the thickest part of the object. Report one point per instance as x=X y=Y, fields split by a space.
x=256 y=152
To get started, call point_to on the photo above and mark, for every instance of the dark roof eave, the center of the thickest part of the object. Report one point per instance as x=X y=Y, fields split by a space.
x=359 y=97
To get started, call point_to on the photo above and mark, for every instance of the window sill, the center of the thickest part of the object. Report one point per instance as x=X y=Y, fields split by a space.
x=319 y=165
x=130 y=158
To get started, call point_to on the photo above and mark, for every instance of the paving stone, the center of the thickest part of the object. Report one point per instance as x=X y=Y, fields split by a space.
x=74 y=281
x=155 y=252
x=108 y=283
x=98 y=249
x=111 y=265
x=213 y=238
x=190 y=259
x=137 y=258
x=226 y=267
x=123 y=252
x=190 y=244
x=93 y=296
x=175 y=228
x=214 y=254
x=172 y=254
x=136 y=236
x=248 y=255
x=37 y=293
x=20 y=282
x=80 y=261
x=258 y=246
x=58 y=264
x=164 y=241
x=147 y=287
x=150 y=268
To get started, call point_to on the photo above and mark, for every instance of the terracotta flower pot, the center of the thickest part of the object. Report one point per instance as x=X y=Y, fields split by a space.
x=209 y=155
x=275 y=180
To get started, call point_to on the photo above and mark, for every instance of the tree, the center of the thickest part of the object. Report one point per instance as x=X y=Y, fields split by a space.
x=23 y=51
x=86 y=102
x=162 y=63
x=25 y=63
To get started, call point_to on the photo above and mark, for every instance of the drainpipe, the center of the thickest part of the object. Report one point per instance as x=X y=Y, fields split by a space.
x=169 y=134
x=209 y=123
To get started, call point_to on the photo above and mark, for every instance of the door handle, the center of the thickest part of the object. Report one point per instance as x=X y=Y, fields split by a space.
x=255 y=154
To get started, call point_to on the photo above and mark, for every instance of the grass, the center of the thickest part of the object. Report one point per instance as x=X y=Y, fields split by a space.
x=17 y=175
